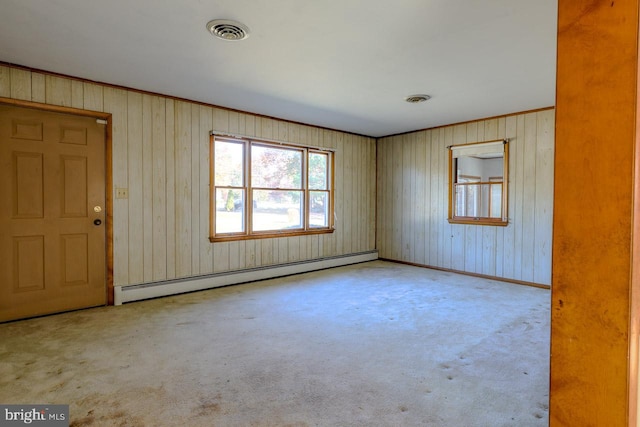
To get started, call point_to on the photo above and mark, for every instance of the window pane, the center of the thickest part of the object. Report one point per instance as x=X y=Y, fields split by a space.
x=496 y=200
x=460 y=197
x=277 y=210
x=319 y=209
x=228 y=163
x=229 y=210
x=484 y=201
x=317 y=171
x=468 y=200
x=479 y=200
x=273 y=167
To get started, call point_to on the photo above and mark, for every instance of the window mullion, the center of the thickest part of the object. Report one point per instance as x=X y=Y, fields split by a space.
x=331 y=165
x=305 y=189
x=248 y=216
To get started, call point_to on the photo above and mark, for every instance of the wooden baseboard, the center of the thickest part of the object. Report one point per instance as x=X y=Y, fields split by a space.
x=466 y=273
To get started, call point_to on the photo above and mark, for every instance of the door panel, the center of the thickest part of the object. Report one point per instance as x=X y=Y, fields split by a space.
x=73 y=136
x=74 y=186
x=52 y=174
x=28 y=263
x=75 y=259
x=24 y=129
x=28 y=185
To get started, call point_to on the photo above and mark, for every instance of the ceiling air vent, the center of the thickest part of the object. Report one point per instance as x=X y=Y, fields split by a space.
x=228 y=30
x=414 y=99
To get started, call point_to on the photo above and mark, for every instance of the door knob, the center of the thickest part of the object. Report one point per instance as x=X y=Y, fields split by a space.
x=97 y=221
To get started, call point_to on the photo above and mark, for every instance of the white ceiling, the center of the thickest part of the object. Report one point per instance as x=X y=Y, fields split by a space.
x=341 y=64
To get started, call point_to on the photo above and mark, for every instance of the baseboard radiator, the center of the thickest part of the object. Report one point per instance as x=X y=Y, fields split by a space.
x=130 y=293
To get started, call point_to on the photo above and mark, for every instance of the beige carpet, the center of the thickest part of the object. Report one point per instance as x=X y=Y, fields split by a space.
x=375 y=344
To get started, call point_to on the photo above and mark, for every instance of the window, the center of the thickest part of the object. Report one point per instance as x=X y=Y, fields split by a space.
x=261 y=189
x=478 y=189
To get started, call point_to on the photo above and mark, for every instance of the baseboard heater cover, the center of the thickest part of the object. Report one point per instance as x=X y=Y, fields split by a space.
x=130 y=293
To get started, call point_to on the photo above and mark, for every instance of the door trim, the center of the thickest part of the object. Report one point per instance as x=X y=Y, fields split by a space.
x=108 y=172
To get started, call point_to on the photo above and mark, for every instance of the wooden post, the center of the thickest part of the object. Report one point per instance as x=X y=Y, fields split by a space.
x=595 y=269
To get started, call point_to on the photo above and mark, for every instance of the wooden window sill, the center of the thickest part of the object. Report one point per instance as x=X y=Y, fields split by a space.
x=479 y=221
x=269 y=235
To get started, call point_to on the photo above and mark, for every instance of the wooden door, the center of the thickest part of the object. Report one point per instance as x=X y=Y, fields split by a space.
x=52 y=212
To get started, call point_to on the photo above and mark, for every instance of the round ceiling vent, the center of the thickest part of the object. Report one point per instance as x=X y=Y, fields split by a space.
x=228 y=30
x=414 y=99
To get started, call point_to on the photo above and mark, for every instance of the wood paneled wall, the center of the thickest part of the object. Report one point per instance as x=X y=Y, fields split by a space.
x=161 y=155
x=413 y=200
